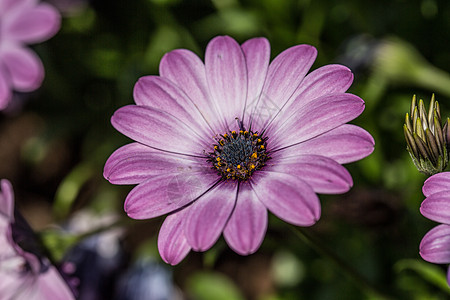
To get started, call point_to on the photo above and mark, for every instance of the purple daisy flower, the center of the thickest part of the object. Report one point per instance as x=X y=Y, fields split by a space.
x=219 y=143
x=23 y=22
x=435 y=245
x=24 y=273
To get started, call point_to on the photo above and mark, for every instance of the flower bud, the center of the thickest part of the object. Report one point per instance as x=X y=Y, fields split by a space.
x=426 y=139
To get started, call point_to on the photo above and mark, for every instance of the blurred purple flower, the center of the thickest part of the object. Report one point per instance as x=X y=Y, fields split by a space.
x=24 y=273
x=435 y=245
x=23 y=22
x=219 y=143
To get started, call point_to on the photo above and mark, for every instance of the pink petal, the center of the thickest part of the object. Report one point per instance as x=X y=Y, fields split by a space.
x=165 y=193
x=287 y=197
x=158 y=129
x=5 y=88
x=257 y=58
x=172 y=244
x=33 y=24
x=344 y=144
x=320 y=116
x=323 y=174
x=329 y=79
x=135 y=163
x=161 y=93
x=208 y=215
x=8 y=6
x=226 y=75
x=436 y=207
x=247 y=225
x=285 y=74
x=187 y=71
x=50 y=285
x=435 y=245
x=436 y=183
x=24 y=67
x=7 y=200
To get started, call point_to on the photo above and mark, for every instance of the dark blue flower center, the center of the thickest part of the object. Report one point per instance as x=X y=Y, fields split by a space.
x=237 y=155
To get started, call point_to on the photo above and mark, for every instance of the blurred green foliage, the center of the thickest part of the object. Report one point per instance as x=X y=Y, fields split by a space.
x=396 y=48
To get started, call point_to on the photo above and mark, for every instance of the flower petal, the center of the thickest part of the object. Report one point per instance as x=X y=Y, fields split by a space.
x=157 y=129
x=344 y=144
x=50 y=285
x=226 y=75
x=7 y=199
x=33 y=24
x=5 y=88
x=287 y=197
x=435 y=245
x=436 y=183
x=329 y=79
x=208 y=215
x=187 y=71
x=165 y=193
x=284 y=75
x=172 y=244
x=135 y=163
x=160 y=93
x=257 y=58
x=247 y=225
x=436 y=207
x=323 y=174
x=24 y=67
x=324 y=114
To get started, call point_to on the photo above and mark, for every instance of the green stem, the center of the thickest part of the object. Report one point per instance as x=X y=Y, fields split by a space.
x=351 y=272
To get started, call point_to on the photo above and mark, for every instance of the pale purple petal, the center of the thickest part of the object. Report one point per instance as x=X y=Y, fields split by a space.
x=172 y=244
x=436 y=207
x=257 y=58
x=208 y=215
x=7 y=200
x=226 y=74
x=5 y=88
x=329 y=79
x=323 y=174
x=157 y=129
x=324 y=114
x=165 y=193
x=285 y=74
x=135 y=163
x=161 y=93
x=8 y=6
x=435 y=245
x=437 y=183
x=187 y=71
x=50 y=285
x=32 y=24
x=287 y=197
x=24 y=68
x=344 y=144
x=247 y=225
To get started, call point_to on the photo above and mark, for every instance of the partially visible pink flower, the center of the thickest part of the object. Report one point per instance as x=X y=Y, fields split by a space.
x=23 y=22
x=221 y=143
x=24 y=273
x=435 y=245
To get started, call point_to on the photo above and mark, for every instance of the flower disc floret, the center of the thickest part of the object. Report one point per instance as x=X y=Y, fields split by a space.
x=238 y=154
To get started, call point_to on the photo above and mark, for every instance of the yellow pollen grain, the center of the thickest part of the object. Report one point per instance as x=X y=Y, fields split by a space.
x=259 y=141
x=246 y=132
x=233 y=132
x=255 y=135
x=262 y=147
x=228 y=170
x=225 y=135
x=254 y=155
x=252 y=166
x=239 y=167
x=219 y=164
x=218 y=159
x=241 y=132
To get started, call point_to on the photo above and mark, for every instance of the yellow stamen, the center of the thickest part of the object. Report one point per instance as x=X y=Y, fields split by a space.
x=261 y=147
x=239 y=167
x=254 y=155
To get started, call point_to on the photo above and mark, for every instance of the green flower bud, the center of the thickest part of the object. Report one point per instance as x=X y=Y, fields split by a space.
x=426 y=139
